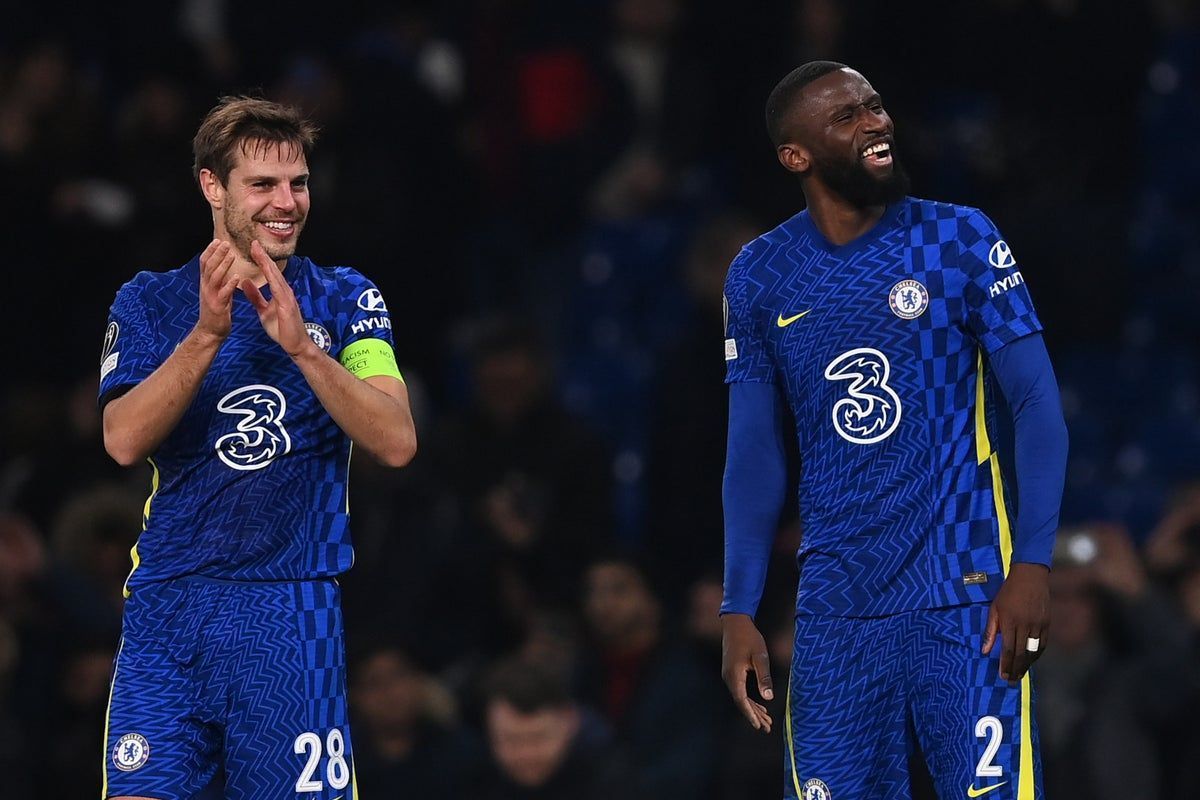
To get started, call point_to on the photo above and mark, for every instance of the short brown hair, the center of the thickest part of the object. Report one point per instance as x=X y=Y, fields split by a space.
x=241 y=121
x=526 y=685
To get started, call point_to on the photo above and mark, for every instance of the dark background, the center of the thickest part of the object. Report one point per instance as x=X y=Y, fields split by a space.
x=548 y=193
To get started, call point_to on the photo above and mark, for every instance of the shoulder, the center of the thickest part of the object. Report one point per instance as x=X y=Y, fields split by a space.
x=761 y=252
x=922 y=210
x=342 y=280
x=157 y=285
x=965 y=225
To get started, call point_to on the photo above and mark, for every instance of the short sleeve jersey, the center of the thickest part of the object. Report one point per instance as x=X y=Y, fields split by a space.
x=251 y=484
x=880 y=348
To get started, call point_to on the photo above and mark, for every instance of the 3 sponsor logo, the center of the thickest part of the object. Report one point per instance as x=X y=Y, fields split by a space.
x=870 y=411
x=260 y=436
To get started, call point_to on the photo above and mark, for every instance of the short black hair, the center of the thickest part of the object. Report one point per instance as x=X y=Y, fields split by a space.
x=527 y=686
x=779 y=102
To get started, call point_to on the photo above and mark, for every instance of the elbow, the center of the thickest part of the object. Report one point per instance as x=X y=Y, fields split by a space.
x=120 y=446
x=121 y=450
x=399 y=452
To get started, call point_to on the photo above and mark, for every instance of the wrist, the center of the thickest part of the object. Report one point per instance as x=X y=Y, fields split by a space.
x=308 y=353
x=207 y=339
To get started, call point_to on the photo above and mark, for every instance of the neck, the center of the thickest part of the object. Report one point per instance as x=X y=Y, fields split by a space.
x=838 y=220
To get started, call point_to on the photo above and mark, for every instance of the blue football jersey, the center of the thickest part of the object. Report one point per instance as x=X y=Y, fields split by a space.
x=880 y=348
x=251 y=484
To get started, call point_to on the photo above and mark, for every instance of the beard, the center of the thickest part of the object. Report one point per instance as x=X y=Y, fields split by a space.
x=851 y=179
x=241 y=229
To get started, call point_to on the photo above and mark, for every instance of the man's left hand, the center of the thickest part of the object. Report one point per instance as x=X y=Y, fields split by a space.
x=280 y=316
x=1019 y=612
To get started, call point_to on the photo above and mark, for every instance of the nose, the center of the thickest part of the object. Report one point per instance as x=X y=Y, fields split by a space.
x=284 y=197
x=875 y=121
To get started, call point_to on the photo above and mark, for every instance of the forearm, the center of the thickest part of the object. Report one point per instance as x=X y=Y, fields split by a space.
x=1027 y=380
x=137 y=422
x=375 y=420
x=754 y=490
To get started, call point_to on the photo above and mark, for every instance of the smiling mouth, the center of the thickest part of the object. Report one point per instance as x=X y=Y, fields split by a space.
x=879 y=153
x=281 y=229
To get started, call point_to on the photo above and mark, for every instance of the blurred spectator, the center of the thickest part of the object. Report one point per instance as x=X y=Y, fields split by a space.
x=1114 y=673
x=407 y=741
x=531 y=489
x=69 y=726
x=543 y=746
x=685 y=528
x=654 y=690
x=92 y=536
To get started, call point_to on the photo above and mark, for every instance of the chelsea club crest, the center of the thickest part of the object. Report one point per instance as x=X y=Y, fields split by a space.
x=815 y=789
x=131 y=753
x=319 y=335
x=908 y=299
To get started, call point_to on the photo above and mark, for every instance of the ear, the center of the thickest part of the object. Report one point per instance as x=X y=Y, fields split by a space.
x=212 y=188
x=794 y=157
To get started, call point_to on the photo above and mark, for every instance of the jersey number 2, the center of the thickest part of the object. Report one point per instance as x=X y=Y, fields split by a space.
x=993 y=729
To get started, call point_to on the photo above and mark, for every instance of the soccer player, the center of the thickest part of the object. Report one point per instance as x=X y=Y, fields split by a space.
x=243 y=377
x=889 y=328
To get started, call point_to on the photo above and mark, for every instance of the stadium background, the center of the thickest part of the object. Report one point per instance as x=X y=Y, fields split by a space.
x=548 y=193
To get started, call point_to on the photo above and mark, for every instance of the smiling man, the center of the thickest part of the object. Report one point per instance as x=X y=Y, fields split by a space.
x=243 y=377
x=890 y=328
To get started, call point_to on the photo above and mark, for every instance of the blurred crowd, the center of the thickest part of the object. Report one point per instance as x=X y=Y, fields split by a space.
x=548 y=193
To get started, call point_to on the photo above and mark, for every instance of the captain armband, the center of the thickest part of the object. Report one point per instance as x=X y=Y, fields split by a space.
x=367 y=358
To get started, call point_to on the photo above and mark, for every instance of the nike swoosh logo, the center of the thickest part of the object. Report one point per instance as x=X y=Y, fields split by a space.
x=784 y=322
x=973 y=792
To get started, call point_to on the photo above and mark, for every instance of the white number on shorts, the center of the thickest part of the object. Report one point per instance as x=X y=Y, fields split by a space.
x=991 y=727
x=337 y=772
x=312 y=743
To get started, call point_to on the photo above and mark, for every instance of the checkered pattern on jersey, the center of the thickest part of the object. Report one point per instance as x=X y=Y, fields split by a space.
x=892 y=520
x=954 y=686
x=252 y=480
x=233 y=674
x=861 y=687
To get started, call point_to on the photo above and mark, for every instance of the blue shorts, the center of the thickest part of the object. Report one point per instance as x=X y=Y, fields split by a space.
x=249 y=678
x=864 y=693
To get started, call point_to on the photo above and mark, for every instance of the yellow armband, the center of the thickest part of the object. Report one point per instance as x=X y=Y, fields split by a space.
x=367 y=358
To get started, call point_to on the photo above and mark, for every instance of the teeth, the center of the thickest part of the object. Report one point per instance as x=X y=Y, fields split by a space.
x=279 y=226
x=875 y=148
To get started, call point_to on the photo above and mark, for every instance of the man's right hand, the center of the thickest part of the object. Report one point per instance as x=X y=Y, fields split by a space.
x=216 y=289
x=743 y=650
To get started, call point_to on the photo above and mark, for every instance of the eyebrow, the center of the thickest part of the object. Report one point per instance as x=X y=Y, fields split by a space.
x=872 y=98
x=272 y=179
